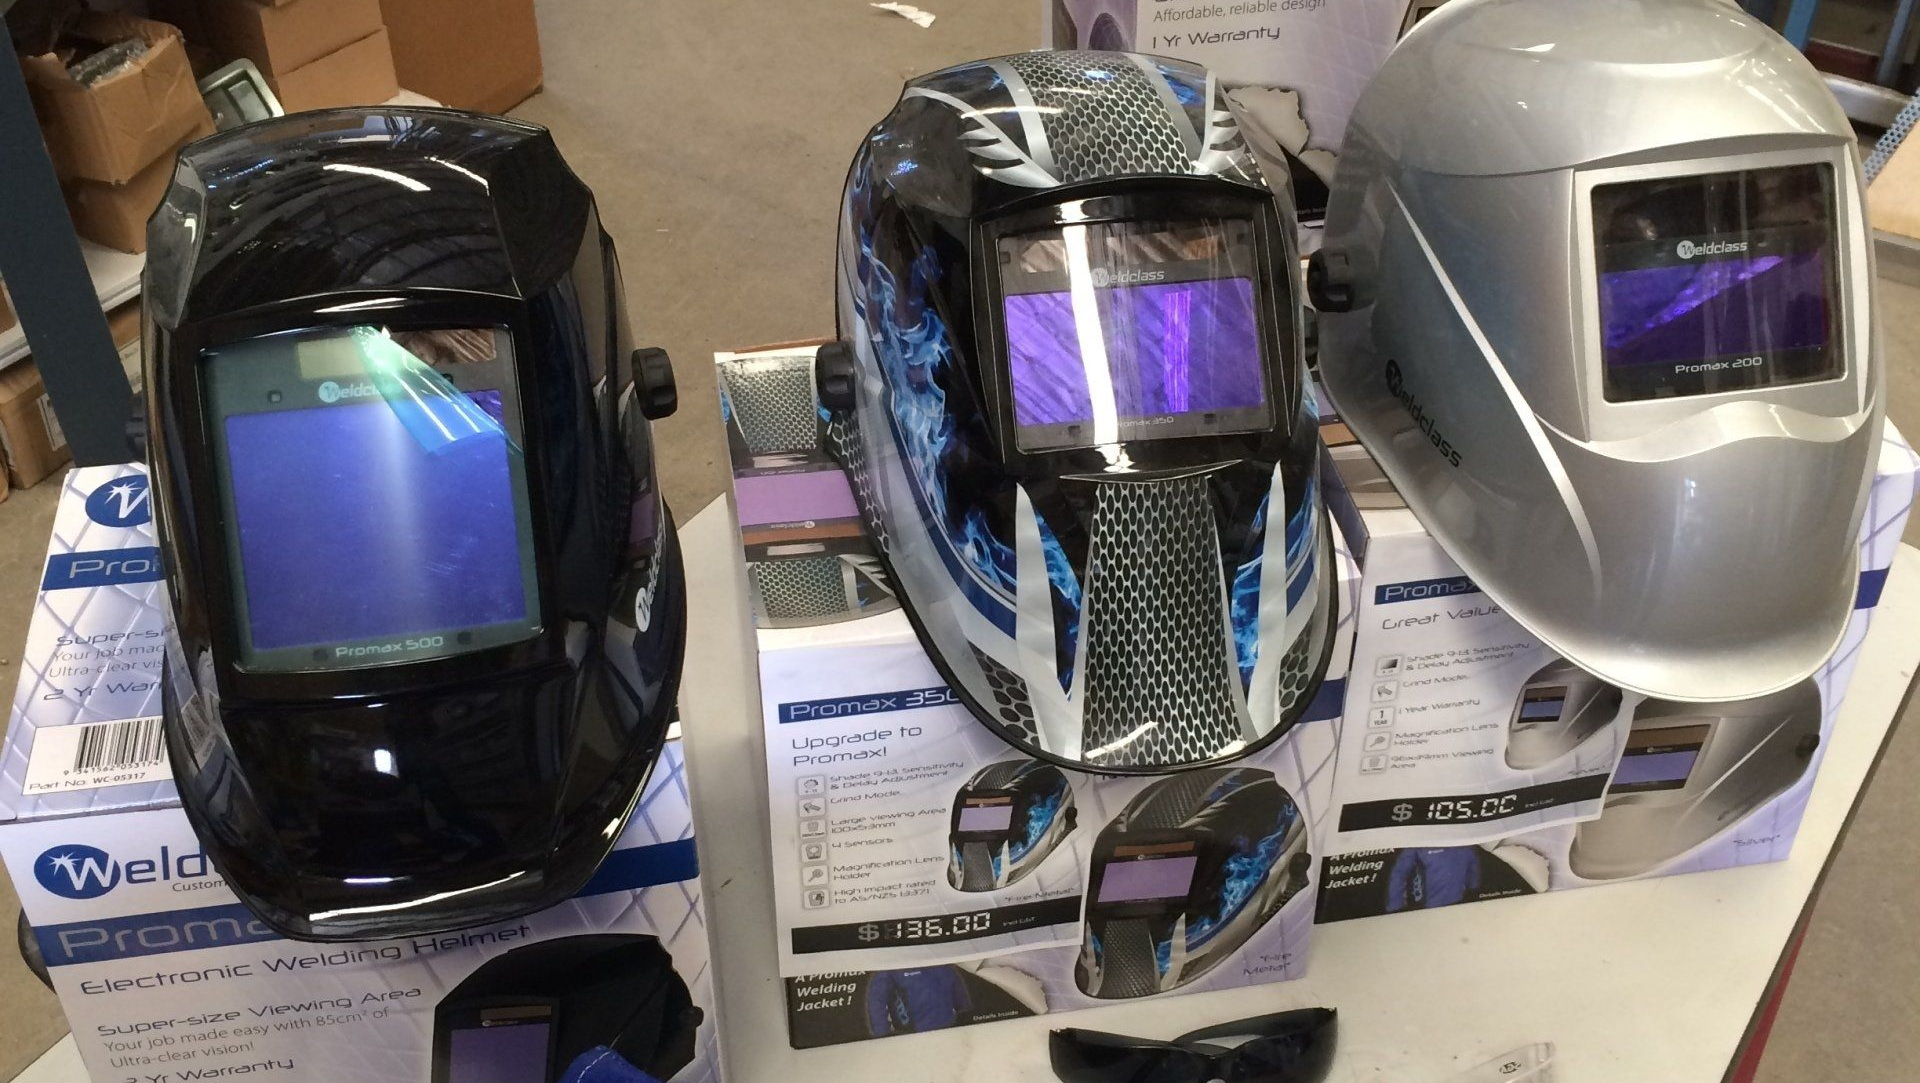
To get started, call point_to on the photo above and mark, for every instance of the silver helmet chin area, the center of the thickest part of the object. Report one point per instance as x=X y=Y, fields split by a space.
x=1691 y=770
x=1007 y=820
x=1596 y=293
x=1558 y=708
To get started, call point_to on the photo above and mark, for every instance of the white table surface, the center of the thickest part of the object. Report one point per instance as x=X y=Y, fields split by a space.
x=1650 y=980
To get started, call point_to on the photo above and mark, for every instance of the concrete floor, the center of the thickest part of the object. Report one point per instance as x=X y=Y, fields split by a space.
x=716 y=135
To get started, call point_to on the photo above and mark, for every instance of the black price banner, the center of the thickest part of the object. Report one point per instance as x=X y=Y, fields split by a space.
x=1472 y=808
x=935 y=928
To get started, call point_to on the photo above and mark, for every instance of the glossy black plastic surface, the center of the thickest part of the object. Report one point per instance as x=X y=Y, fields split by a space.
x=414 y=797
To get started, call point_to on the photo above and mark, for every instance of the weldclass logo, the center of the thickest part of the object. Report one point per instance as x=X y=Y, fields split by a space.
x=87 y=872
x=123 y=502
x=1690 y=249
x=1102 y=277
x=331 y=392
x=77 y=872
x=1397 y=384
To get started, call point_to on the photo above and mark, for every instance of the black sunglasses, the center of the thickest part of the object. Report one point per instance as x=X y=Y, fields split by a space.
x=1290 y=1047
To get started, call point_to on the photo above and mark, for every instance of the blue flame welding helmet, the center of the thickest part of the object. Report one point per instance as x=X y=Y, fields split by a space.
x=1189 y=870
x=1007 y=819
x=427 y=604
x=1072 y=398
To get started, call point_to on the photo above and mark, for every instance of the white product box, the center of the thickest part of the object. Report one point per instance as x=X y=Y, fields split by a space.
x=1476 y=765
x=1295 y=67
x=866 y=750
x=166 y=977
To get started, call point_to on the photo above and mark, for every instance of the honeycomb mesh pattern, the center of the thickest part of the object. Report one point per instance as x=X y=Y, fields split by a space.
x=1010 y=704
x=800 y=588
x=1128 y=966
x=846 y=445
x=1160 y=684
x=1101 y=127
x=976 y=867
x=774 y=402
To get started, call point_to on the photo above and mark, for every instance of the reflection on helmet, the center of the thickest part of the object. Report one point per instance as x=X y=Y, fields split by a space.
x=1621 y=367
x=1007 y=820
x=1691 y=770
x=427 y=606
x=1075 y=414
x=1189 y=870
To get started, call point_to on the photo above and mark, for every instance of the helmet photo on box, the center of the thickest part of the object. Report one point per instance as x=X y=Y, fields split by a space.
x=1071 y=397
x=1619 y=358
x=1007 y=819
x=1691 y=770
x=527 y=1015
x=427 y=604
x=809 y=562
x=1558 y=708
x=1189 y=870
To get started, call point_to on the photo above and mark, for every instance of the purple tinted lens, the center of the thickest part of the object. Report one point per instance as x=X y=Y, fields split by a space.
x=502 y=1054
x=991 y=818
x=350 y=529
x=1654 y=767
x=1714 y=308
x=1172 y=348
x=1157 y=878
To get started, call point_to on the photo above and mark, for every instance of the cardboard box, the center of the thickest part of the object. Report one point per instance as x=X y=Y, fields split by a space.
x=30 y=436
x=360 y=74
x=160 y=967
x=1476 y=764
x=282 y=38
x=492 y=64
x=113 y=129
x=867 y=903
x=116 y=214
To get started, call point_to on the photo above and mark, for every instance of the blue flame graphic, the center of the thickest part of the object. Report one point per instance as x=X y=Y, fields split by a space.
x=1246 y=870
x=1040 y=816
x=1244 y=602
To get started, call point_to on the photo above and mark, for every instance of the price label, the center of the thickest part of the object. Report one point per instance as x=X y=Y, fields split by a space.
x=935 y=928
x=1470 y=808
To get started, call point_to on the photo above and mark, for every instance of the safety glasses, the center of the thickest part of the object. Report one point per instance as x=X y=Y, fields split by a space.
x=1289 y=1047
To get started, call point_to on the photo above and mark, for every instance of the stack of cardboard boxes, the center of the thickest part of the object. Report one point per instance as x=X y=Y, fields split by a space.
x=113 y=139
x=316 y=54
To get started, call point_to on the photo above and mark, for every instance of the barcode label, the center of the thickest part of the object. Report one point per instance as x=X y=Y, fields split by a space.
x=97 y=754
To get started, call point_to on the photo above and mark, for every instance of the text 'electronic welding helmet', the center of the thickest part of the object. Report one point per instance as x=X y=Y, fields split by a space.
x=525 y=1016
x=1192 y=867
x=1692 y=769
x=1559 y=707
x=1007 y=819
x=1071 y=399
x=428 y=607
x=1595 y=292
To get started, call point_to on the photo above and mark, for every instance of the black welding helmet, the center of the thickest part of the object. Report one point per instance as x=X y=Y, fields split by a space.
x=428 y=609
x=1189 y=870
x=1072 y=398
x=1007 y=819
x=527 y=1015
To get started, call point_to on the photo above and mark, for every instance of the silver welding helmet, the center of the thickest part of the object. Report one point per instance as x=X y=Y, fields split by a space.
x=1596 y=292
x=1692 y=770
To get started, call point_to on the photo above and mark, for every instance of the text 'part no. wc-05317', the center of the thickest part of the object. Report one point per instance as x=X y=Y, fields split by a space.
x=427 y=606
